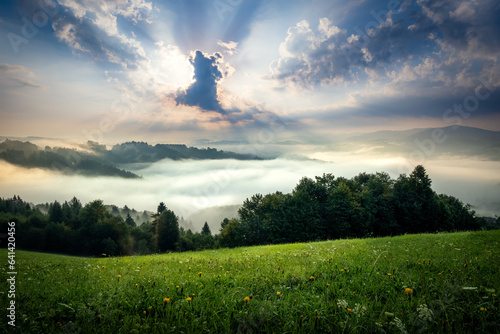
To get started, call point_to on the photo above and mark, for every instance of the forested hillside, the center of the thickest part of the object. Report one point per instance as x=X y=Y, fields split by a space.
x=368 y=205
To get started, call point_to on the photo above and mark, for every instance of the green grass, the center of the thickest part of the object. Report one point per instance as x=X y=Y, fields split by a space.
x=346 y=286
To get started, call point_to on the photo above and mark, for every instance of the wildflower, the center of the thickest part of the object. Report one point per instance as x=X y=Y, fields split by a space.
x=359 y=310
x=177 y=287
x=193 y=295
x=247 y=299
x=136 y=285
x=349 y=310
x=278 y=293
x=200 y=273
x=166 y=300
x=188 y=299
x=408 y=291
x=341 y=303
x=482 y=309
x=399 y=324
x=189 y=268
x=119 y=276
x=327 y=285
x=311 y=278
x=149 y=308
x=144 y=312
x=341 y=269
x=104 y=266
x=424 y=312
x=389 y=274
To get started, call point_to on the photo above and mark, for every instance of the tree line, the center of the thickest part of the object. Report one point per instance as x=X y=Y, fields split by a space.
x=94 y=230
x=367 y=205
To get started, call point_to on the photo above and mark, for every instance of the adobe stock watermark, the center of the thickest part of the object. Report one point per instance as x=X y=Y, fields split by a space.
x=225 y=6
x=255 y=144
x=41 y=17
x=121 y=109
x=453 y=116
x=379 y=17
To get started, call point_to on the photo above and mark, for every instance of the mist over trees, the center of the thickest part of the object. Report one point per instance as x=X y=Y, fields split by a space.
x=367 y=205
x=95 y=159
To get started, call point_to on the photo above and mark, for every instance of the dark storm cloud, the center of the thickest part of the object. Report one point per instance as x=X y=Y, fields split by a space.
x=467 y=25
x=203 y=91
x=453 y=33
x=311 y=57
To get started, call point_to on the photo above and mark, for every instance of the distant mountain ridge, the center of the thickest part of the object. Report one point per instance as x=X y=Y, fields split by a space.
x=97 y=160
x=449 y=140
x=65 y=160
x=143 y=152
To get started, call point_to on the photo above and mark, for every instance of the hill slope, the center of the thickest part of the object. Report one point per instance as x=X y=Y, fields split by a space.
x=415 y=283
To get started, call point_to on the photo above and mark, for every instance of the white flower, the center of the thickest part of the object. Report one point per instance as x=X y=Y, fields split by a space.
x=424 y=313
x=341 y=303
x=400 y=325
x=359 y=310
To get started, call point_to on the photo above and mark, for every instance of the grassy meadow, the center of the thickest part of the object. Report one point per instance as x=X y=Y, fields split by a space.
x=428 y=283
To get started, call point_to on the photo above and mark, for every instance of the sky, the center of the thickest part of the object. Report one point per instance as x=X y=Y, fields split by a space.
x=179 y=71
x=268 y=73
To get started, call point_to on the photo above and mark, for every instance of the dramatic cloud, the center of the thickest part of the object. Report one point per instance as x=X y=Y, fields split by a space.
x=446 y=43
x=92 y=27
x=203 y=91
x=328 y=55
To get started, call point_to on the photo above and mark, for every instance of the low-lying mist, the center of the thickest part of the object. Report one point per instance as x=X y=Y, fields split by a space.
x=210 y=190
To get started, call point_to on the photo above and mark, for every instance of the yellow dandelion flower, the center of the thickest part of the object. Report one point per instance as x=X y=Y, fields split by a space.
x=247 y=299
x=188 y=299
x=119 y=276
x=166 y=300
x=144 y=312
x=136 y=284
x=177 y=287
x=278 y=293
x=327 y=285
x=349 y=310
x=202 y=273
x=193 y=295
x=150 y=307
x=389 y=274
x=408 y=291
x=341 y=269
x=311 y=278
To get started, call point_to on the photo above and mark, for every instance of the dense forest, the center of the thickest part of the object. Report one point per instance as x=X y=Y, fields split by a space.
x=368 y=205
x=95 y=159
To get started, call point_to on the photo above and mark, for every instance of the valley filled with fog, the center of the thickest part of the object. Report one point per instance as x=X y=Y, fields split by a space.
x=210 y=190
